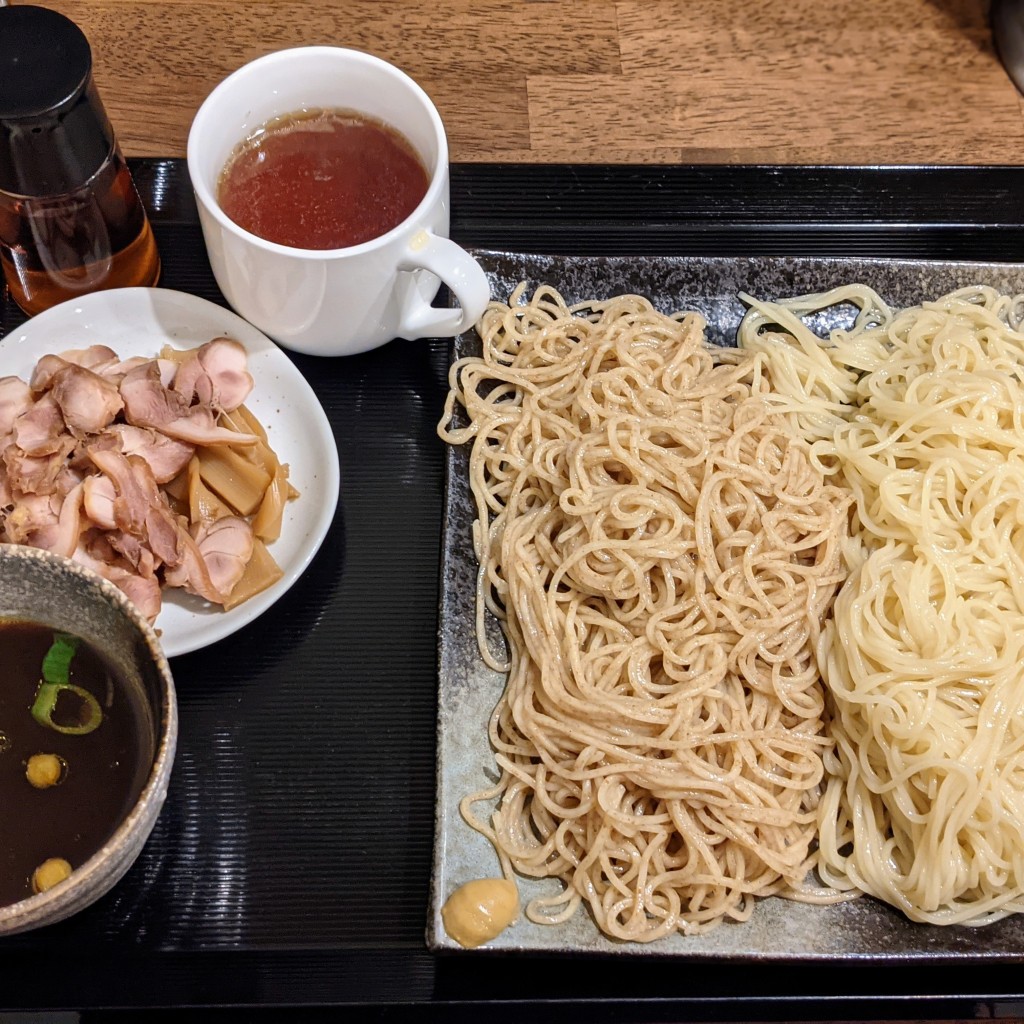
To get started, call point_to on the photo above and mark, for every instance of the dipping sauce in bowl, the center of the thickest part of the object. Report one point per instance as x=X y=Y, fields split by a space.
x=76 y=747
x=322 y=179
x=89 y=720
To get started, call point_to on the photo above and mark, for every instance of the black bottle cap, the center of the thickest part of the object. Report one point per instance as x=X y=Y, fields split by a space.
x=54 y=133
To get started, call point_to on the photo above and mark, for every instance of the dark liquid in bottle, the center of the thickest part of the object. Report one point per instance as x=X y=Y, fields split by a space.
x=58 y=247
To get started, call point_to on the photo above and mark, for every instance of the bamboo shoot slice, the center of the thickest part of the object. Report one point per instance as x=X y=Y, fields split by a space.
x=251 y=424
x=203 y=505
x=266 y=523
x=239 y=482
x=261 y=572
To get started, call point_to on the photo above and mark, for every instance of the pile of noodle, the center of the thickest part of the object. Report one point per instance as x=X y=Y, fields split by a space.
x=921 y=415
x=661 y=552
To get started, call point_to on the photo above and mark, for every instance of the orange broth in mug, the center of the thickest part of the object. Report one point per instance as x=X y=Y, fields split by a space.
x=322 y=179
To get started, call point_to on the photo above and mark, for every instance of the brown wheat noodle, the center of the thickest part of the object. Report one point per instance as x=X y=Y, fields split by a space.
x=660 y=552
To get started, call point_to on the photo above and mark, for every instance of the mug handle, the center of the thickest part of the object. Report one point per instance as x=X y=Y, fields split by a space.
x=462 y=274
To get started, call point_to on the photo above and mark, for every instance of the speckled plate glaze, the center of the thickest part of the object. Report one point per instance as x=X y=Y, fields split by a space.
x=779 y=929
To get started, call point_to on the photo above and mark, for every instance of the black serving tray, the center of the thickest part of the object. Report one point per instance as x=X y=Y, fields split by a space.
x=289 y=873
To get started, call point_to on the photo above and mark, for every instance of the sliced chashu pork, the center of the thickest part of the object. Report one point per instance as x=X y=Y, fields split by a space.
x=87 y=401
x=15 y=398
x=75 y=479
x=226 y=546
x=60 y=534
x=215 y=374
x=148 y=402
x=39 y=429
x=141 y=510
x=140 y=507
x=37 y=474
x=165 y=456
x=95 y=552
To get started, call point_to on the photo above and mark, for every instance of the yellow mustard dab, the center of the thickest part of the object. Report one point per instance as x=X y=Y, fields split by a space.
x=479 y=910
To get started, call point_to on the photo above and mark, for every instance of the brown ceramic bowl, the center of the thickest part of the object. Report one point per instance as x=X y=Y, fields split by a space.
x=40 y=587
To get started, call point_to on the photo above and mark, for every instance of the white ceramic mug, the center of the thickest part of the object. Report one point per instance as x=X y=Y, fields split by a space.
x=334 y=301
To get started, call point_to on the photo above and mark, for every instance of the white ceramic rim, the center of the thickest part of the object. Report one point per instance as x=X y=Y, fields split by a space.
x=205 y=195
x=100 y=870
x=300 y=431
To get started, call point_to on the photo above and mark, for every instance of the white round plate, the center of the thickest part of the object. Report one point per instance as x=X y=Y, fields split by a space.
x=140 y=321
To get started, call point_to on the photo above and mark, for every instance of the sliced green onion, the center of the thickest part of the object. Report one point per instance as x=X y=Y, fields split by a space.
x=57 y=660
x=56 y=673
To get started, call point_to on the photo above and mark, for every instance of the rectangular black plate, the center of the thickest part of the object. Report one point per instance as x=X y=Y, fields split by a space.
x=779 y=930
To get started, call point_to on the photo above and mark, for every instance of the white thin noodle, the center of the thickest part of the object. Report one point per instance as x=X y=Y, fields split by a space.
x=920 y=414
x=660 y=552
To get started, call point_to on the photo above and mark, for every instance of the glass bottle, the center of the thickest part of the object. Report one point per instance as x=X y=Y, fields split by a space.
x=71 y=220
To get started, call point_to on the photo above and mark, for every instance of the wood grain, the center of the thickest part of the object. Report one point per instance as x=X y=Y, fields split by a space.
x=655 y=81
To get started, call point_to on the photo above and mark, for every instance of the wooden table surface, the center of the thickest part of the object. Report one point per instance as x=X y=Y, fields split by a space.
x=660 y=81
